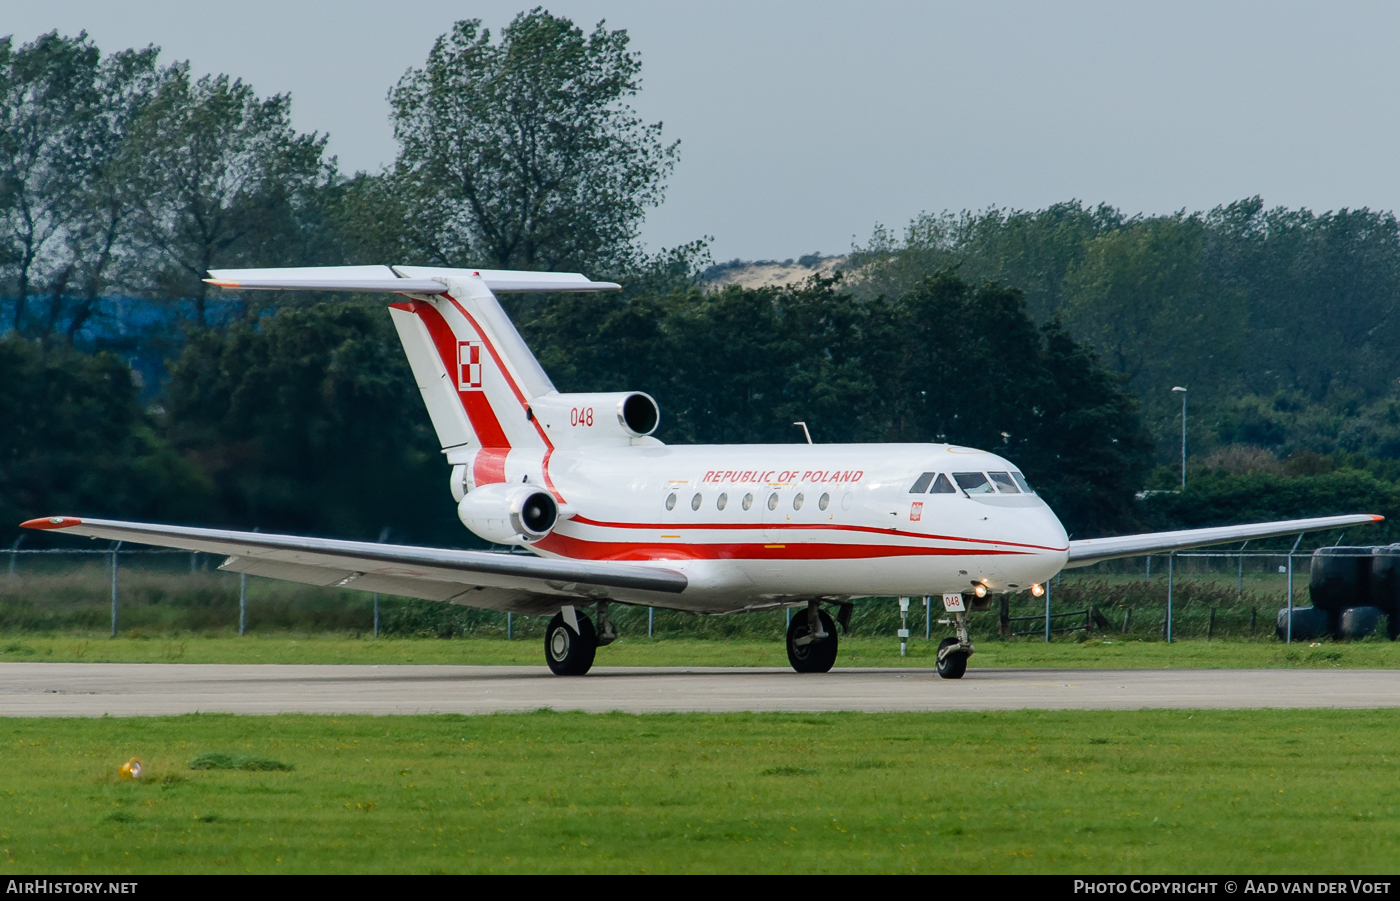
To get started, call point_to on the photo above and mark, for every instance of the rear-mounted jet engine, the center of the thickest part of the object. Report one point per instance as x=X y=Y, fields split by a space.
x=596 y=420
x=509 y=514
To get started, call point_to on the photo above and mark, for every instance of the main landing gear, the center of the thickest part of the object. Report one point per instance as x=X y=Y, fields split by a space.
x=811 y=639
x=570 y=641
x=953 y=652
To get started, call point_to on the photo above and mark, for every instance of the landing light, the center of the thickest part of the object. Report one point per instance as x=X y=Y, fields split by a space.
x=980 y=591
x=1037 y=589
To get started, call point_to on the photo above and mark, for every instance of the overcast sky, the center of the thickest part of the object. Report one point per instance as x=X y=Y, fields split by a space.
x=804 y=124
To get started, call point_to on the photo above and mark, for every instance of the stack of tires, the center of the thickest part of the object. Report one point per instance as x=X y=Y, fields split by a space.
x=1351 y=588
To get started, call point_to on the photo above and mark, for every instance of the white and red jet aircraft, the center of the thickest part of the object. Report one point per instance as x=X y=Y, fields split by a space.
x=612 y=515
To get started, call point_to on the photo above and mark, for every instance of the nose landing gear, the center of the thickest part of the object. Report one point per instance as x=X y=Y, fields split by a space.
x=953 y=652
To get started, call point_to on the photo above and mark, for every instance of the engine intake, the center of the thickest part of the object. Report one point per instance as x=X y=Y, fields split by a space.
x=509 y=514
x=638 y=414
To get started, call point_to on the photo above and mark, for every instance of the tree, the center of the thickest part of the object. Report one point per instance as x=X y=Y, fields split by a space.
x=310 y=420
x=224 y=181
x=945 y=361
x=523 y=154
x=974 y=369
x=97 y=240
x=74 y=440
x=48 y=92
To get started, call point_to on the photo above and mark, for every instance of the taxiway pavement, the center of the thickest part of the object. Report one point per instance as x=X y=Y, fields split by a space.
x=120 y=689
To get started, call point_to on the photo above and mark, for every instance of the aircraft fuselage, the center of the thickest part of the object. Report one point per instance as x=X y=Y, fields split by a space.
x=756 y=526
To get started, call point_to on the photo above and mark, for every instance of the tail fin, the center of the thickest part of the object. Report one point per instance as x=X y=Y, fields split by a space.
x=476 y=374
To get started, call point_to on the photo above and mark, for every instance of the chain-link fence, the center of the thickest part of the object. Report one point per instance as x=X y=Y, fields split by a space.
x=1193 y=595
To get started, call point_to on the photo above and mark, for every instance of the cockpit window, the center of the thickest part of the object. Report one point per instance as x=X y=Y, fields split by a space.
x=941 y=485
x=921 y=483
x=973 y=483
x=1004 y=483
x=1021 y=480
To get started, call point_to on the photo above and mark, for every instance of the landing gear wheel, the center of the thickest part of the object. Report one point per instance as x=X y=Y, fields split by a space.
x=818 y=656
x=567 y=652
x=953 y=664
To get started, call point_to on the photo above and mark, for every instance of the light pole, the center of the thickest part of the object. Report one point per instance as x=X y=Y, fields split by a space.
x=1182 y=391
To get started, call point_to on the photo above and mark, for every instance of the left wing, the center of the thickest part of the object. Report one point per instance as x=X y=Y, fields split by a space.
x=524 y=584
x=1092 y=550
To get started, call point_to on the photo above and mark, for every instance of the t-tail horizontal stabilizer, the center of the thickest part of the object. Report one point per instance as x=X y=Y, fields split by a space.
x=422 y=280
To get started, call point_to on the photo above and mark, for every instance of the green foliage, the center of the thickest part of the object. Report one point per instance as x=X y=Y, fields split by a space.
x=224 y=180
x=220 y=760
x=523 y=154
x=521 y=151
x=65 y=193
x=1216 y=498
x=1243 y=305
x=945 y=361
x=310 y=420
x=73 y=439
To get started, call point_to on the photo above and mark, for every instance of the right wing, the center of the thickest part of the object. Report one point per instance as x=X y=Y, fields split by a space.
x=515 y=582
x=1087 y=551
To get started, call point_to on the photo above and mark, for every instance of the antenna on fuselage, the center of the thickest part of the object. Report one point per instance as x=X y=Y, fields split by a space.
x=804 y=431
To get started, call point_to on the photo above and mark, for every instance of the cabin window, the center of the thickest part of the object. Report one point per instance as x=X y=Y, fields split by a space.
x=671 y=501
x=921 y=483
x=797 y=501
x=722 y=501
x=695 y=502
x=748 y=501
x=1004 y=483
x=1021 y=480
x=941 y=485
x=973 y=482
x=823 y=501
x=773 y=501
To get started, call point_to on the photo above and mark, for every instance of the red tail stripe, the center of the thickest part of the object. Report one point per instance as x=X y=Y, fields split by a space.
x=490 y=461
x=500 y=364
x=519 y=395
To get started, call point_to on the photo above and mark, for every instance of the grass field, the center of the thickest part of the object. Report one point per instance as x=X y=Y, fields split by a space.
x=1372 y=653
x=1302 y=791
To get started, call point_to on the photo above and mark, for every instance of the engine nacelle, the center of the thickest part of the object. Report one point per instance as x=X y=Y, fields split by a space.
x=509 y=514
x=592 y=420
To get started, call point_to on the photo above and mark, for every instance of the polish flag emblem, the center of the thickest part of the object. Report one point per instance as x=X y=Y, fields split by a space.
x=469 y=365
x=916 y=511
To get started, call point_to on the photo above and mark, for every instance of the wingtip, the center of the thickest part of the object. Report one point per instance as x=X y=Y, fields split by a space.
x=220 y=283
x=1377 y=518
x=51 y=522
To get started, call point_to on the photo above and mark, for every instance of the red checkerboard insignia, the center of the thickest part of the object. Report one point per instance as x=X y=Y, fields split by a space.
x=469 y=365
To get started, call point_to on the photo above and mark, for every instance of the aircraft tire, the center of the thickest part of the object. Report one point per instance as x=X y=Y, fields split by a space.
x=570 y=653
x=953 y=665
x=817 y=657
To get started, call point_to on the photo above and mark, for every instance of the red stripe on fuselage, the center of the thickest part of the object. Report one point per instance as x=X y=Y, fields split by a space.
x=804 y=526
x=583 y=549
